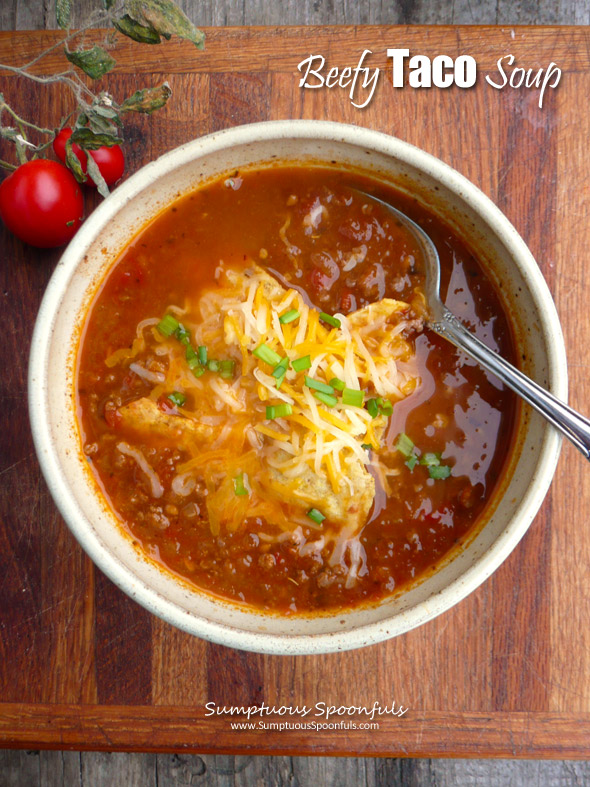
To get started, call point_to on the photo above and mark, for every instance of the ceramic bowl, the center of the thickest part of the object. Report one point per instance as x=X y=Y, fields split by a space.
x=107 y=231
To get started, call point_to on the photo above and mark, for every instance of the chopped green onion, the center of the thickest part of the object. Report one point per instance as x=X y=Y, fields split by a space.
x=168 y=325
x=278 y=411
x=439 y=472
x=337 y=383
x=430 y=460
x=213 y=365
x=412 y=461
x=333 y=321
x=379 y=406
x=300 y=364
x=353 y=397
x=316 y=385
x=289 y=316
x=182 y=334
x=316 y=516
x=367 y=446
x=198 y=371
x=226 y=369
x=239 y=484
x=372 y=408
x=267 y=355
x=202 y=354
x=404 y=445
x=192 y=358
x=327 y=399
x=281 y=367
x=281 y=379
x=385 y=406
x=177 y=398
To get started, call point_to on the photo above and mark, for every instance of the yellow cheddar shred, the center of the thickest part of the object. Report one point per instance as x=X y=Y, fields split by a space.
x=266 y=430
x=335 y=421
x=307 y=438
x=331 y=470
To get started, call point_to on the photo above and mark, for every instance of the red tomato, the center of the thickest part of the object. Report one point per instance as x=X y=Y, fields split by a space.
x=166 y=406
x=41 y=203
x=319 y=280
x=110 y=161
x=111 y=414
x=347 y=302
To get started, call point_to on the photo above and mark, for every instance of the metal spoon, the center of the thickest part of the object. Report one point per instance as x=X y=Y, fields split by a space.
x=443 y=322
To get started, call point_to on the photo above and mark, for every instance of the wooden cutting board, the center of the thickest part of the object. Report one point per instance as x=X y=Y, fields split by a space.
x=507 y=671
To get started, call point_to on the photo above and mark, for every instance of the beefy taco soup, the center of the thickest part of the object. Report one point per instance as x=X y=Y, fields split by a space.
x=262 y=405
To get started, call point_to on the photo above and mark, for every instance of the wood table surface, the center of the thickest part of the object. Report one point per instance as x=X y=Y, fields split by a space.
x=506 y=672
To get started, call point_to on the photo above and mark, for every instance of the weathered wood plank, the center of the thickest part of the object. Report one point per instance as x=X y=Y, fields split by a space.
x=19 y=767
x=71 y=769
x=60 y=768
x=33 y=15
x=40 y=14
x=500 y=773
x=324 y=771
x=116 y=768
x=173 y=769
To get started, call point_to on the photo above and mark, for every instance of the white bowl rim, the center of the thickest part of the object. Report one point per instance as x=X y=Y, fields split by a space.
x=263 y=642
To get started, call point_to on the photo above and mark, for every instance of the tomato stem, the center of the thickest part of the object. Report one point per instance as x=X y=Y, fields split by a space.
x=20 y=153
x=94 y=21
x=21 y=121
x=97 y=115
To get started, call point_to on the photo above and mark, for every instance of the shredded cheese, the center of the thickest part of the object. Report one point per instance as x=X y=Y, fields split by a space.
x=368 y=351
x=156 y=487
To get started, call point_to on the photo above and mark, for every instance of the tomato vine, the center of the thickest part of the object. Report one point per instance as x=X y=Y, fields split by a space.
x=97 y=117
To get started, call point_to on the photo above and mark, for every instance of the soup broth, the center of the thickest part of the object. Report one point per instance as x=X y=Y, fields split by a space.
x=263 y=407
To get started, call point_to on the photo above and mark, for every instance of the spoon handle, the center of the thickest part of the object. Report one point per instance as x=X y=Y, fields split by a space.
x=573 y=425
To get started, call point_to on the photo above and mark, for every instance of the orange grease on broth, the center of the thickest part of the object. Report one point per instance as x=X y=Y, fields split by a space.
x=231 y=221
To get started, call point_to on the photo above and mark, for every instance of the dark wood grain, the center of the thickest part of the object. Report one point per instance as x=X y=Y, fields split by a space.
x=252 y=50
x=122 y=647
x=502 y=674
x=520 y=588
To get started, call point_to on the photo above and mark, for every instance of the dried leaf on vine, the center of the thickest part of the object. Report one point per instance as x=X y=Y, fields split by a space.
x=96 y=176
x=73 y=162
x=147 y=100
x=63 y=13
x=106 y=112
x=102 y=117
x=96 y=118
x=164 y=17
x=132 y=29
x=103 y=126
x=95 y=62
x=88 y=140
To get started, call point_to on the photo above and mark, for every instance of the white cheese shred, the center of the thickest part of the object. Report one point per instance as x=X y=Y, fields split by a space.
x=156 y=487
